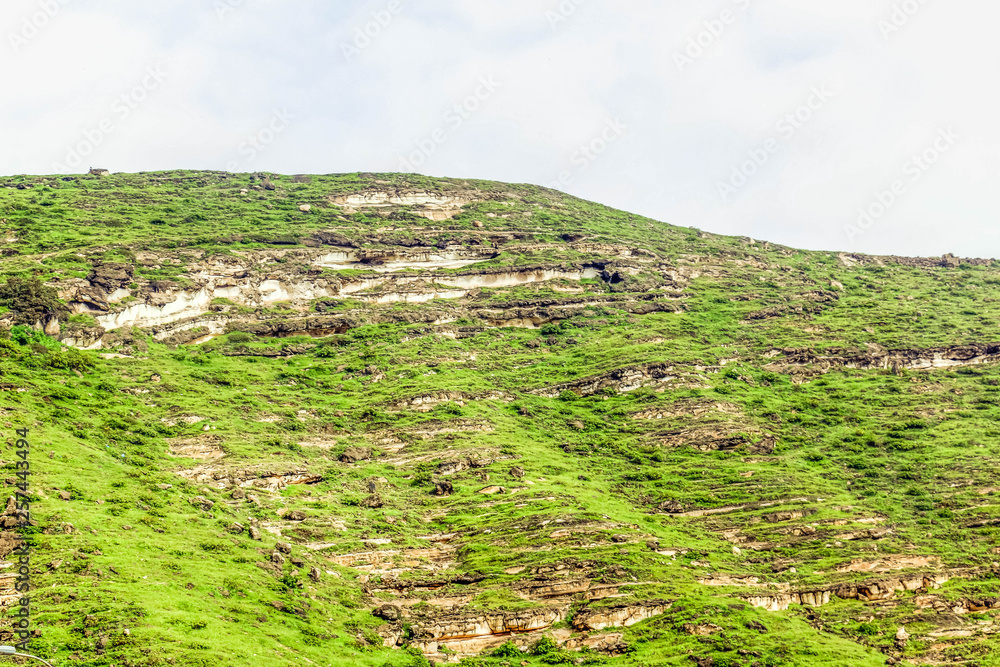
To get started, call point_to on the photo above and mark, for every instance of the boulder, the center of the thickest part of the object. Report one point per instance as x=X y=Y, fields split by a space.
x=355 y=454
x=388 y=613
x=202 y=502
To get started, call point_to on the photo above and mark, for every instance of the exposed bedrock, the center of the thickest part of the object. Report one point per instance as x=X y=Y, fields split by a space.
x=870 y=591
x=532 y=315
x=628 y=378
x=895 y=360
x=115 y=303
x=471 y=634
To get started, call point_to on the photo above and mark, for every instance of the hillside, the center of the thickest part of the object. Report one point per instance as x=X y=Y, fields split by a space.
x=381 y=419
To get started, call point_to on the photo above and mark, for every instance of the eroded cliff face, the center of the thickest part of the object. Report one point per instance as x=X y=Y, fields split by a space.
x=214 y=292
x=432 y=206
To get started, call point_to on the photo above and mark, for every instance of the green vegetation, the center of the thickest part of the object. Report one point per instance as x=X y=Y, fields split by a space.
x=710 y=425
x=30 y=300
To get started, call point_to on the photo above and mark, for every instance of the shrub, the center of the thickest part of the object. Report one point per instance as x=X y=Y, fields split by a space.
x=544 y=646
x=25 y=335
x=507 y=650
x=869 y=629
x=31 y=300
x=550 y=329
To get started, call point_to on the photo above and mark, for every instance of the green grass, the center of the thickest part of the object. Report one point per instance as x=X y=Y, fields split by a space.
x=912 y=453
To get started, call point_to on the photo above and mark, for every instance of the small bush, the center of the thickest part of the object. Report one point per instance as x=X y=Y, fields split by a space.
x=31 y=300
x=544 y=646
x=240 y=337
x=507 y=650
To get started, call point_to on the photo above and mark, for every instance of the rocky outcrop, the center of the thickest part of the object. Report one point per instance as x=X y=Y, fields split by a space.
x=264 y=479
x=720 y=437
x=197 y=448
x=466 y=634
x=355 y=454
x=449 y=627
x=895 y=360
x=618 y=616
x=430 y=205
x=628 y=378
x=810 y=303
x=960 y=607
x=946 y=261
x=119 y=298
x=871 y=591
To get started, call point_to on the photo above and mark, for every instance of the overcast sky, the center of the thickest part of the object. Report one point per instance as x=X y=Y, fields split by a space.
x=859 y=125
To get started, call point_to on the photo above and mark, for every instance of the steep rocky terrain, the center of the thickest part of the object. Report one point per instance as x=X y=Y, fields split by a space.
x=375 y=419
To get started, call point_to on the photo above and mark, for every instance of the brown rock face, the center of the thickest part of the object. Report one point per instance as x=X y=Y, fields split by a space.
x=111 y=275
x=871 y=591
x=458 y=626
x=915 y=359
x=355 y=454
x=702 y=630
x=202 y=502
x=619 y=616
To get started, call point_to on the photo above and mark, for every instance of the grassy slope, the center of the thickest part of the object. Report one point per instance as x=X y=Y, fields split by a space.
x=914 y=449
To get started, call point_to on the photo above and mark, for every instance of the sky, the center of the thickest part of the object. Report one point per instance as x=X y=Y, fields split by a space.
x=857 y=125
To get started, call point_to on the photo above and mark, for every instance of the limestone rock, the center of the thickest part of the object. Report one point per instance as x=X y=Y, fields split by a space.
x=619 y=616
x=701 y=630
